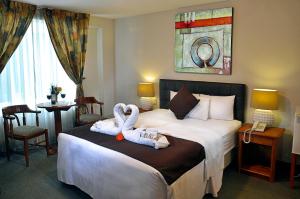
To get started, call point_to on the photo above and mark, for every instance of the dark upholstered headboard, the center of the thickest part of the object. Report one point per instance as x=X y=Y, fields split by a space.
x=208 y=88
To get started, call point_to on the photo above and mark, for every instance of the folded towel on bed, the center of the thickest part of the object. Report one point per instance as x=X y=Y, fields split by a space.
x=120 y=123
x=149 y=137
x=107 y=127
x=112 y=126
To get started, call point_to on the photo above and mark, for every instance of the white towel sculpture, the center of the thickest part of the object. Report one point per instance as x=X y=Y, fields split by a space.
x=132 y=118
x=112 y=127
x=149 y=136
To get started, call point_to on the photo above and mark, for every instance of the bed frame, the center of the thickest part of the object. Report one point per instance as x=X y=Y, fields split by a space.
x=208 y=88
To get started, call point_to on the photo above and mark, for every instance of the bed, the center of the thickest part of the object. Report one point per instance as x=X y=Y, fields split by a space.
x=105 y=173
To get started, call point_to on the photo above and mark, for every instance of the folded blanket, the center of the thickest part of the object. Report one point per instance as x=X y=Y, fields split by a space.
x=149 y=137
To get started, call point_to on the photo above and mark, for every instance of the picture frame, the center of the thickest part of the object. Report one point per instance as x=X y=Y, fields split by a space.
x=203 y=41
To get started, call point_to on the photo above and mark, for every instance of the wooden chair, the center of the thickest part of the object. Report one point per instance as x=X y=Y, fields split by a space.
x=84 y=115
x=24 y=132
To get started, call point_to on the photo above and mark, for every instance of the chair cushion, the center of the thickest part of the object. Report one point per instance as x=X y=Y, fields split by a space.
x=27 y=130
x=89 y=118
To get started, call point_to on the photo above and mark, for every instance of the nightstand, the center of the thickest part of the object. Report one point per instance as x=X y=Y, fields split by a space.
x=143 y=110
x=269 y=138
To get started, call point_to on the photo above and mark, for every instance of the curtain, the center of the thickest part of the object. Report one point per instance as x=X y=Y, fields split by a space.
x=15 y=18
x=68 y=32
x=28 y=75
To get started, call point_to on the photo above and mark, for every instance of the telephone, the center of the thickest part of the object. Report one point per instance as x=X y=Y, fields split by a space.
x=257 y=126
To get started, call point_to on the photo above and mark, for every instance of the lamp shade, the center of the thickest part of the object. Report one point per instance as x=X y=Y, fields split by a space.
x=145 y=90
x=265 y=99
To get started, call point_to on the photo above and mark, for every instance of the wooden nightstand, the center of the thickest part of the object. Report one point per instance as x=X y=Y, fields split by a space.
x=268 y=138
x=143 y=110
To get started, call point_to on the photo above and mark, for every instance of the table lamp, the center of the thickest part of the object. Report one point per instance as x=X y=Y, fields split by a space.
x=145 y=92
x=264 y=101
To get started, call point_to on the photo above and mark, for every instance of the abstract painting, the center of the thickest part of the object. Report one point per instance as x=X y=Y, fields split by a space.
x=203 y=41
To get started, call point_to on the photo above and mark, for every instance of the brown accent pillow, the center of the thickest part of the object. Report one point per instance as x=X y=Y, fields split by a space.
x=182 y=103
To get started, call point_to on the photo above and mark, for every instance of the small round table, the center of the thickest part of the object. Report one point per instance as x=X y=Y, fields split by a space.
x=57 y=108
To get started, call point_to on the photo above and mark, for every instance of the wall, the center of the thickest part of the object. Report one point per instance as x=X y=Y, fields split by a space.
x=99 y=67
x=265 y=53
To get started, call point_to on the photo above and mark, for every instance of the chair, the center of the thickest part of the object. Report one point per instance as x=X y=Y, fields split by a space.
x=24 y=132
x=83 y=114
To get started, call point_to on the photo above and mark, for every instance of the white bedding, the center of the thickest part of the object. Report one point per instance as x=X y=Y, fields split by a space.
x=226 y=128
x=103 y=173
x=209 y=133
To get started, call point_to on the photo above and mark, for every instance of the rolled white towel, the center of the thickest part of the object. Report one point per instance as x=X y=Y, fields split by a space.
x=151 y=130
x=149 y=137
x=161 y=142
x=133 y=135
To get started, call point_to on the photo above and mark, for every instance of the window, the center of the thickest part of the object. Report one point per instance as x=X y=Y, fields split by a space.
x=31 y=70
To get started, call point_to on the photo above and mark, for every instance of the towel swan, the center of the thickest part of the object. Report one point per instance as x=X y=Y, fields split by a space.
x=112 y=127
x=149 y=136
x=119 y=110
x=132 y=118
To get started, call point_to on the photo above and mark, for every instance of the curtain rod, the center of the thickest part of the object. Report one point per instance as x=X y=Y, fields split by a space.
x=51 y=8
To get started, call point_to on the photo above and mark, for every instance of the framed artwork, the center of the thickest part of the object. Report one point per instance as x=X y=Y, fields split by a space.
x=203 y=41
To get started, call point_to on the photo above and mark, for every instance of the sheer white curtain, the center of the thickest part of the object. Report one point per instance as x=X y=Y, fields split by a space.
x=27 y=77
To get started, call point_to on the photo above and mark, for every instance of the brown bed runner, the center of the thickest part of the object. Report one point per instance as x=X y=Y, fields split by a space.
x=172 y=162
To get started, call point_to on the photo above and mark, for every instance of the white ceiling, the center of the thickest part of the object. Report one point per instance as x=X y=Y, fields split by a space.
x=118 y=8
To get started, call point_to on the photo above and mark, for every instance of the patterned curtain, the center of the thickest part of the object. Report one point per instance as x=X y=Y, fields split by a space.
x=15 y=17
x=68 y=32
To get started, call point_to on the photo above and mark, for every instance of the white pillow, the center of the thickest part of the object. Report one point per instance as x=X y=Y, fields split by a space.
x=172 y=94
x=221 y=107
x=200 y=111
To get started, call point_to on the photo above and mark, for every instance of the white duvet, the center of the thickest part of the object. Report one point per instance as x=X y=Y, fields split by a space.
x=104 y=173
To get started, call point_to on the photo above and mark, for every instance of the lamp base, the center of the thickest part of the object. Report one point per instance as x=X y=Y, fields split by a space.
x=265 y=116
x=146 y=103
